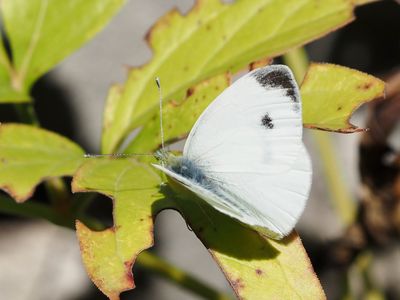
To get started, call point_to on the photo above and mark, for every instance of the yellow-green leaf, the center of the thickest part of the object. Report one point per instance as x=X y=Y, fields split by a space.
x=100 y=256
x=29 y=155
x=41 y=34
x=211 y=39
x=178 y=116
x=134 y=187
x=330 y=94
x=256 y=267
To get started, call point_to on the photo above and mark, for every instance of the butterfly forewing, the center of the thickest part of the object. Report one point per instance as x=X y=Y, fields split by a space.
x=254 y=125
x=248 y=143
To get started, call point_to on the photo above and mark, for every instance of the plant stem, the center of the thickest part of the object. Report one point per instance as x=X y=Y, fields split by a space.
x=33 y=209
x=26 y=113
x=80 y=203
x=178 y=276
x=341 y=198
x=297 y=60
x=59 y=195
x=363 y=264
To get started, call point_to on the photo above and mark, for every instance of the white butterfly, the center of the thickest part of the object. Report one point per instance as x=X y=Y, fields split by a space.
x=245 y=156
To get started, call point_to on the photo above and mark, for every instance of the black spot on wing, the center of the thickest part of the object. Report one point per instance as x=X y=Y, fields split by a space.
x=266 y=121
x=277 y=77
x=274 y=78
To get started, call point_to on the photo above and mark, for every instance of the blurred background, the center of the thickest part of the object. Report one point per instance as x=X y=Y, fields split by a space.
x=41 y=261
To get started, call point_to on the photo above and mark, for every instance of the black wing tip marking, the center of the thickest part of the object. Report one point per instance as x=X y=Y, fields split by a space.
x=266 y=121
x=278 y=76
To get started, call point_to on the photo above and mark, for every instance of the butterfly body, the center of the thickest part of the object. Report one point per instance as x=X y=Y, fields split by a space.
x=245 y=156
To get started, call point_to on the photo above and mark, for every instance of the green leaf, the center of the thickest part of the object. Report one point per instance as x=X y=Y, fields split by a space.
x=178 y=116
x=41 y=34
x=331 y=93
x=211 y=39
x=28 y=155
x=256 y=267
x=134 y=187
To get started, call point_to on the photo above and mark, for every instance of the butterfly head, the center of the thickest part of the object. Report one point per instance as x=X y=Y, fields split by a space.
x=165 y=158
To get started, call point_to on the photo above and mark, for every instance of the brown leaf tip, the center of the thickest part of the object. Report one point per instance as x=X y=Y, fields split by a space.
x=128 y=274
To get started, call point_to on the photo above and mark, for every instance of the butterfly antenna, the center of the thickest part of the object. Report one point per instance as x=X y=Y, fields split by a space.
x=163 y=152
x=161 y=114
x=117 y=155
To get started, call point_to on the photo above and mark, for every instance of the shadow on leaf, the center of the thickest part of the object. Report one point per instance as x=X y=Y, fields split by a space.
x=219 y=232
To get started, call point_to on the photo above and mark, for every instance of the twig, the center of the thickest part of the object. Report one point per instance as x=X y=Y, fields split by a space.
x=32 y=209
x=26 y=113
x=177 y=276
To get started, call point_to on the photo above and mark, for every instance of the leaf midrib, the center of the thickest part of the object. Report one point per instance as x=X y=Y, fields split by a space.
x=22 y=72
